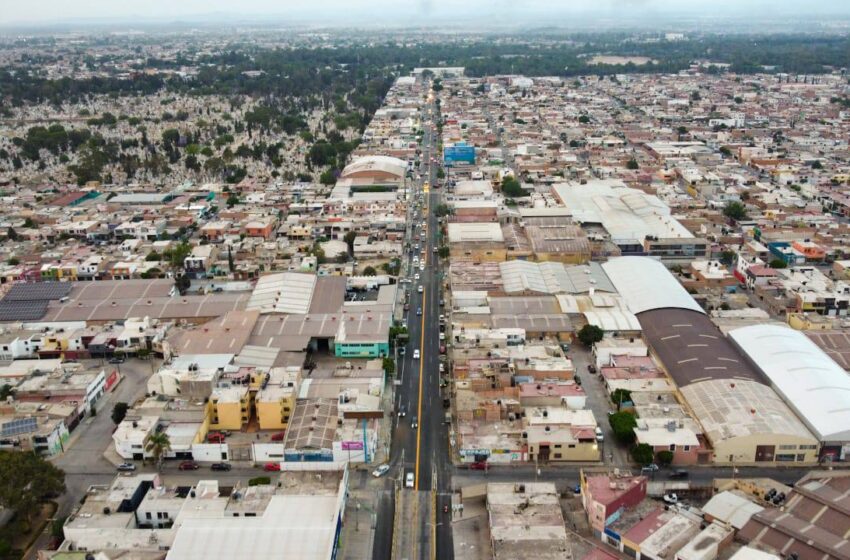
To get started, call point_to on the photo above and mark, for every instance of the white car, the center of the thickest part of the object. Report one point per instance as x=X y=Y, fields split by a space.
x=599 y=436
x=409 y=480
x=381 y=471
x=671 y=498
x=420 y=289
x=416 y=276
x=416 y=354
x=126 y=467
x=421 y=267
x=442 y=336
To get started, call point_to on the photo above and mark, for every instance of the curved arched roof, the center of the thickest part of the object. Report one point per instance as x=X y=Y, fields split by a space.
x=812 y=384
x=375 y=164
x=645 y=284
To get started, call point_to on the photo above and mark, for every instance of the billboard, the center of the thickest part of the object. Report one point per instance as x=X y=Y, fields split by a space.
x=460 y=153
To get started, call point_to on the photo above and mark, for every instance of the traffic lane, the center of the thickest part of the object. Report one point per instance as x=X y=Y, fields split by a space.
x=384 y=521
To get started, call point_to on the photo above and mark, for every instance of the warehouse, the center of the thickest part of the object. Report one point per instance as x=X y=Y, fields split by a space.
x=742 y=417
x=809 y=381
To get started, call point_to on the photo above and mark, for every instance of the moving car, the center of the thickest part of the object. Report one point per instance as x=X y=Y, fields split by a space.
x=419 y=311
x=416 y=354
x=221 y=466
x=679 y=474
x=126 y=467
x=271 y=467
x=414 y=423
x=381 y=471
x=420 y=289
x=189 y=466
x=402 y=411
x=409 y=480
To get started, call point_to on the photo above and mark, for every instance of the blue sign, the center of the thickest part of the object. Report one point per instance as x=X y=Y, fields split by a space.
x=460 y=153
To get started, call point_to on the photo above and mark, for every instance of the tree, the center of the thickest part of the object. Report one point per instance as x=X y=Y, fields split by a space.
x=778 y=263
x=623 y=424
x=28 y=223
x=735 y=210
x=6 y=391
x=590 y=335
x=389 y=366
x=12 y=235
x=664 y=457
x=327 y=177
x=158 y=445
x=584 y=119
x=26 y=480
x=119 y=411
x=370 y=271
x=232 y=200
x=153 y=256
x=642 y=453
x=632 y=164
x=182 y=283
x=512 y=188
x=727 y=257
x=349 y=240
x=620 y=396
x=13 y=261
x=443 y=252
x=230 y=264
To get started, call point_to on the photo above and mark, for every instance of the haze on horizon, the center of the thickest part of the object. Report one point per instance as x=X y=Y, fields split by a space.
x=394 y=12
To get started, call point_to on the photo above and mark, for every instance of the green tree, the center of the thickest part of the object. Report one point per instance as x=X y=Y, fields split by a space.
x=12 y=235
x=735 y=210
x=511 y=187
x=620 y=396
x=13 y=261
x=369 y=271
x=623 y=424
x=26 y=480
x=6 y=391
x=443 y=252
x=642 y=453
x=778 y=263
x=119 y=411
x=28 y=223
x=632 y=164
x=153 y=256
x=232 y=201
x=349 y=240
x=664 y=457
x=389 y=366
x=327 y=177
x=584 y=119
x=158 y=445
x=590 y=335
x=727 y=257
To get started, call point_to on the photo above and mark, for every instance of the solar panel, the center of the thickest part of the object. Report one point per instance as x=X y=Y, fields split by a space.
x=18 y=426
x=22 y=310
x=32 y=291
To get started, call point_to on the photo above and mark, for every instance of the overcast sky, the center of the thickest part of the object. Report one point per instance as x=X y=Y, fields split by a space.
x=336 y=11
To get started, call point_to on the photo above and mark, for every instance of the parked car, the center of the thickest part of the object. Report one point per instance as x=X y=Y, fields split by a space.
x=591 y=368
x=215 y=437
x=652 y=467
x=278 y=436
x=271 y=467
x=221 y=466
x=381 y=471
x=599 y=436
x=126 y=467
x=116 y=360
x=189 y=466
x=679 y=474
x=671 y=498
x=478 y=466
x=409 y=480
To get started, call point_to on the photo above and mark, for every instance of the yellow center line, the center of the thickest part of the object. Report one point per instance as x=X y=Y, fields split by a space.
x=421 y=368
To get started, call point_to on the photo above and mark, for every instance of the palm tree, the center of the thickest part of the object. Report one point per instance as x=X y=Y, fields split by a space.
x=158 y=445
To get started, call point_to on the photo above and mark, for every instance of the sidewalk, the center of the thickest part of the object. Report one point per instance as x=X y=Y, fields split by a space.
x=358 y=531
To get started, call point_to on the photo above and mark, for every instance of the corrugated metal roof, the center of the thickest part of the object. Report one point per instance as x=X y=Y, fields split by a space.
x=645 y=284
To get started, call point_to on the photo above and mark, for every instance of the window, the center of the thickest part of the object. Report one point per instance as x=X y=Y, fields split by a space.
x=672 y=447
x=801 y=456
x=557 y=455
x=787 y=447
x=808 y=447
x=686 y=448
x=571 y=446
x=784 y=457
x=557 y=446
x=148 y=515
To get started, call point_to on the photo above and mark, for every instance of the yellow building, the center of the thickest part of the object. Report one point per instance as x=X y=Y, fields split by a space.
x=274 y=407
x=810 y=322
x=229 y=408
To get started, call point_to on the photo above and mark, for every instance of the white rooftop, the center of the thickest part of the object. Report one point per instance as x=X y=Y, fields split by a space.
x=812 y=384
x=646 y=284
x=286 y=292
